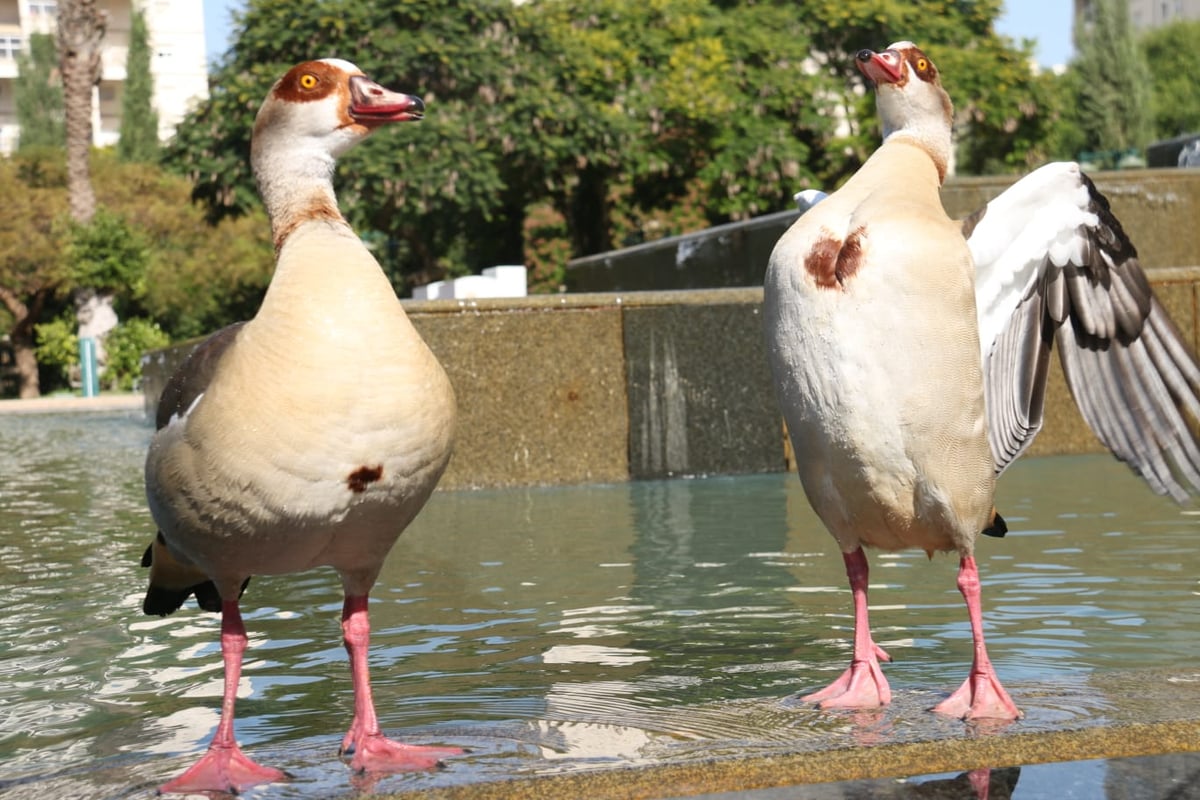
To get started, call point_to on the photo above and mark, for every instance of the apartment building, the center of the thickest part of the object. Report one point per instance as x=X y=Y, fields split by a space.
x=177 y=61
x=1148 y=14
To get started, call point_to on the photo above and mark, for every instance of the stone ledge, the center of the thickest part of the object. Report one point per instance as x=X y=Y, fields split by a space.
x=606 y=387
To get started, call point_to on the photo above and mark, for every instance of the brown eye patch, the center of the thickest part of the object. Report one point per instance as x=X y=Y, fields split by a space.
x=312 y=80
x=922 y=66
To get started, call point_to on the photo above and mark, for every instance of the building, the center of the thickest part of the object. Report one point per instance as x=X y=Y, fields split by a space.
x=177 y=61
x=1148 y=14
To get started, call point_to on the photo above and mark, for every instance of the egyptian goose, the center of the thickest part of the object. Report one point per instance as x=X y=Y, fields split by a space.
x=910 y=362
x=310 y=435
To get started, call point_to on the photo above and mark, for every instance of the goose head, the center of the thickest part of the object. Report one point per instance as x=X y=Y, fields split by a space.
x=313 y=114
x=909 y=96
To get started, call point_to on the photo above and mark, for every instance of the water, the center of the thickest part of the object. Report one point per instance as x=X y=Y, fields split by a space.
x=553 y=630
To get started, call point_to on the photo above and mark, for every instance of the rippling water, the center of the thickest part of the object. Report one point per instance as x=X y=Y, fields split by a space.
x=551 y=629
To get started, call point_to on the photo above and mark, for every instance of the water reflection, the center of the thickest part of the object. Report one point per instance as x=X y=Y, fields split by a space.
x=554 y=630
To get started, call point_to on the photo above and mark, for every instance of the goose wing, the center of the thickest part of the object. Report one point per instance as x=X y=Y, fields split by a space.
x=1053 y=265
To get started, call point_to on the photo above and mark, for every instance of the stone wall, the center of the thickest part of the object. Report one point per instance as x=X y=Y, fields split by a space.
x=630 y=384
x=597 y=388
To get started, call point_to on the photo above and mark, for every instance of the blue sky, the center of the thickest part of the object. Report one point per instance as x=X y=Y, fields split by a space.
x=1047 y=21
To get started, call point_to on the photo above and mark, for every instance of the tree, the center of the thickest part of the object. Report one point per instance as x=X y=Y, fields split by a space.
x=139 y=119
x=1172 y=54
x=1114 y=82
x=623 y=119
x=31 y=264
x=39 y=95
x=148 y=245
x=81 y=27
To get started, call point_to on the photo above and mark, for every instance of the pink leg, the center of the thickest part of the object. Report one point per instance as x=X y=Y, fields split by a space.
x=224 y=768
x=981 y=696
x=372 y=751
x=863 y=684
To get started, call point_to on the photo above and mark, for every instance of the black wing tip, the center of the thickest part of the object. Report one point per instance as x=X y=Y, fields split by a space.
x=997 y=527
x=162 y=602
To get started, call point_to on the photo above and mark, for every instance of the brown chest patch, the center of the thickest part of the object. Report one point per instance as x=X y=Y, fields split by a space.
x=363 y=477
x=832 y=261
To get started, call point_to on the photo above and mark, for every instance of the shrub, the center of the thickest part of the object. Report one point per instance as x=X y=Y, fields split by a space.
x=125 y=345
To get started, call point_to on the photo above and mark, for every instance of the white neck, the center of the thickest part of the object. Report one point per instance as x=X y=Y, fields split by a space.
x=921 y=115
x=295 y=182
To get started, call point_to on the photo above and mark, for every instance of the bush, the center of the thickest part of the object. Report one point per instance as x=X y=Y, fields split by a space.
x=58 y=345
x=125 y=345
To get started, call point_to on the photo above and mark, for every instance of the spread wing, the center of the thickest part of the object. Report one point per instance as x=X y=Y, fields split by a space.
x=1053 y=265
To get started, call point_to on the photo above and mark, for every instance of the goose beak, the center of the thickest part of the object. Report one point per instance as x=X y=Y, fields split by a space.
x=371 y=104
x=880 y=68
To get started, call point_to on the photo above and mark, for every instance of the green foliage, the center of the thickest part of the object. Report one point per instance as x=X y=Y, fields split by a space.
x=624 y=119
x=148 y=244
x=31 y=236
x=1113 y=81
x=198 y=277
x=139 y=119
x=107 y=254
x=547 y=248
x=1172 y=54
x=125 y=345
x=58 y=344
x=39 y=95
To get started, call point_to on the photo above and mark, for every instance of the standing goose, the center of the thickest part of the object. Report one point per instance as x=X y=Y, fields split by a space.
x=911 y=363
x=310 y=435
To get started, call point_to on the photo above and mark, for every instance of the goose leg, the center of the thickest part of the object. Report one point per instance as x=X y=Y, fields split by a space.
x=981 y=696
x=224 y=768
x=863 y=684
x=373 y=752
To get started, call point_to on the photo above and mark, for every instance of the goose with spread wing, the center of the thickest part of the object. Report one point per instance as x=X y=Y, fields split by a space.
x=910 y=355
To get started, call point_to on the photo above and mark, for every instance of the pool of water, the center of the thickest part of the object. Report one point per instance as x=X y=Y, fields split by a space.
x=555 y=629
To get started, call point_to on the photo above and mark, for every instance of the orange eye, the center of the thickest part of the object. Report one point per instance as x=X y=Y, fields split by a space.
x=308 y=81
x=922 y=65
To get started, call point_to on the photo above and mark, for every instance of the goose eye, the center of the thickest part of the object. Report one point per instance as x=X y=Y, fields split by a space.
x=308 y=81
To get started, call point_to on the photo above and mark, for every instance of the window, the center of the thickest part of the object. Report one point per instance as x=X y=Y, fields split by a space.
x=10 y=46
x=43 y=8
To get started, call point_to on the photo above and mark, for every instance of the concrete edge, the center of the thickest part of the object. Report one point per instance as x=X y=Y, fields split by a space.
x=1125 y=740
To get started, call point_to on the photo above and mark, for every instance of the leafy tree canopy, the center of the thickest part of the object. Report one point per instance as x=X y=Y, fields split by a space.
x=1113 y=80
x=624 y=119
x=139 y=119
x=39 y=95
x=1172 y=53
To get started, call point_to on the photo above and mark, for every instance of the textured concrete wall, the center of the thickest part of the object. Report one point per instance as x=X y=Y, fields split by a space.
x=597 y=388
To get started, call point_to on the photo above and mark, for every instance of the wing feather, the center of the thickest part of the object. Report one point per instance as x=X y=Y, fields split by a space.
x=1078 y=284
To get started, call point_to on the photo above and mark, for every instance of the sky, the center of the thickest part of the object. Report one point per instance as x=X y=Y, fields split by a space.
x=1047 y=21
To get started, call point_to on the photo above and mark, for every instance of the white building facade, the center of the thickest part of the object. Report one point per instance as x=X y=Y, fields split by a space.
x=1148 y=14
x=177 y=47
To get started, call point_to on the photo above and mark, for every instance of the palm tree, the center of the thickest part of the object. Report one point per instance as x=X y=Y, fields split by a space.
x=81 y=27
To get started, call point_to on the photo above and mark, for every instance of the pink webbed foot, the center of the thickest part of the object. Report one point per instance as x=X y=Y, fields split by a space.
x=980 y=697
x=862 y=685
x=222 y=769
x=377 y=753
x=374 y=752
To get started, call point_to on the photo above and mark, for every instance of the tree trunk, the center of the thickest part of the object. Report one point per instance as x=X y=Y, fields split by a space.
x=21 y=336
x=588 y=213
x=81 y=29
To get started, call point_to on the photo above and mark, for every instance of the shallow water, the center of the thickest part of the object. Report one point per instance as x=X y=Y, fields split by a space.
x=554 y=629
